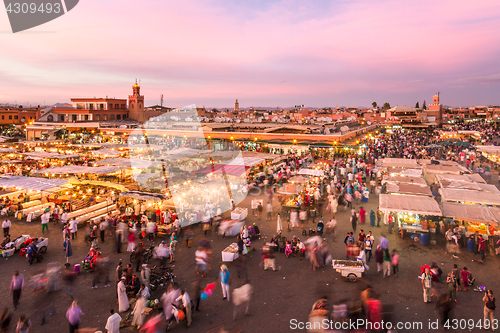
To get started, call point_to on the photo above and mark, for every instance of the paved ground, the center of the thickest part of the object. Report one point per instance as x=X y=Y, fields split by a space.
x=279 y=296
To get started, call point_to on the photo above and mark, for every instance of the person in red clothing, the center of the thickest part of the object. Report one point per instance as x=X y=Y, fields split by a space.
x=465 y=278
x=362 y=215
x=482 y=248
x=361 y=237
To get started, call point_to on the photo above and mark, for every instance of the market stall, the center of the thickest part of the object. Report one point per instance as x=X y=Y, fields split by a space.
x=230 y=253
x=472 y=197
x=413 y=214
x=473 y=218
x=239 y=213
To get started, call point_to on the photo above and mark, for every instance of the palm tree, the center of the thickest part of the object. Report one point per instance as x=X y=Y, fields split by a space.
x=374 y=104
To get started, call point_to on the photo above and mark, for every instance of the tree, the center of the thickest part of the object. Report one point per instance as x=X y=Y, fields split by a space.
x=386 y=106
x=374 y=104
x=424 y=107
x=20 y=106
x=417 y=106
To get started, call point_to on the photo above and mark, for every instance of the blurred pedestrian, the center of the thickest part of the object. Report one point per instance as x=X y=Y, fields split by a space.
x=73 y=315
x=16 y=286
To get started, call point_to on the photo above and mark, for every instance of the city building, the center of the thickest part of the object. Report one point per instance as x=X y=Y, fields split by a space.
x=236 y=106
x=435 y=111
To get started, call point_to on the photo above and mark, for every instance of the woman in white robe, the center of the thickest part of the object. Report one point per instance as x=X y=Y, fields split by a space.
x=123 y=304
x=334 y=205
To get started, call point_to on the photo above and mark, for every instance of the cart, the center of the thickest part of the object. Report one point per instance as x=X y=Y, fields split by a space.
x=351 y=270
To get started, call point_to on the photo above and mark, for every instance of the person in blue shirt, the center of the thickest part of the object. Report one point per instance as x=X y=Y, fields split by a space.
x=225 y=281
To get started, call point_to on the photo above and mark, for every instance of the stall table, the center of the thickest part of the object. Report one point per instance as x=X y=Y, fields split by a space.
x=239 y=213
x=230 y=253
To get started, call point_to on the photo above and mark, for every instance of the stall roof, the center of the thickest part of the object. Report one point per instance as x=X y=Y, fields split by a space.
x=409 y=204
x=31 y=183
x=405 y=180
x=128 y=162
x=298 y=179
x=489 y=149
x=184 y=152
x=469 y=186
x=409 y=189
x=246 y=161
x=42 y=154
x=456 y=170
x=399 y=163
x=310 y=172
x=476 y=197
x=79 y=169
x=107 y=152
x=232 y=170
x=471 y=212
x=473 y=177
x=146 y=196
x=441 y=162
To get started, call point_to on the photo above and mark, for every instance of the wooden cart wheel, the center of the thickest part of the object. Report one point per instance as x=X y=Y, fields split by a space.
x=351 y=277
x=43 y=249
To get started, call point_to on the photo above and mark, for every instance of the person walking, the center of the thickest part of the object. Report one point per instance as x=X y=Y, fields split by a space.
x=451 y=282
x=45 y=221
x=73 y=226
x=395 y=262
x=489 y=310
x=482 y=248
x=427 y=284
x=372 y=218
x=118 y=275
x=6 y=227
x=16 y=286
x=102 y=230
x=225 y=281
x=113 y=322
x=387 y=263
x=354 y=219
x=73 y=315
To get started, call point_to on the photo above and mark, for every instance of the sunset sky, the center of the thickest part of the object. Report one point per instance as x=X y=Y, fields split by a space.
x=263 y=52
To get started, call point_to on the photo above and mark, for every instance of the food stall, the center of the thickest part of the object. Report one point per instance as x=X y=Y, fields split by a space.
x=473 y=218
x=413 y=214
x=239 y=213
x=471 y=197
x=230 y=253
x=352 y=270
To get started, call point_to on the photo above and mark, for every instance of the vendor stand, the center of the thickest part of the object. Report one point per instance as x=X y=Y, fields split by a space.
x=239 y=213
x=352 y=270
x=470 y=219
x=230 y=253
x=412 y=213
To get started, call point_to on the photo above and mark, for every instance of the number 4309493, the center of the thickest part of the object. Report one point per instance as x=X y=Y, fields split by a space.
x=26 y=8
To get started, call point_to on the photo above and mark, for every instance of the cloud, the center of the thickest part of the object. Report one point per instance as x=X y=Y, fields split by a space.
x=218 y=50
x=495 y=78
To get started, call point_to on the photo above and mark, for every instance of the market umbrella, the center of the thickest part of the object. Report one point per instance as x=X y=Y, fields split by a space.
x=68 y=252
x=279 y=227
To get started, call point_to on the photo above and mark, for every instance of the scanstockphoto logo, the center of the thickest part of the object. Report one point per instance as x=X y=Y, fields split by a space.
x=27 y=14
x=172 y=154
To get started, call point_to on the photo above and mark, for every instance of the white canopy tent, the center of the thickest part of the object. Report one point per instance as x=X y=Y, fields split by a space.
x=31 y=183
x=409 y=204
x=246 y=161
x=78 y=169
x=474 y=197
x=473 y=177
x=399 y=163
x=310 y=172
x=129 y=162
x=42 y=154
x=146 y=196
x=471 y=212
x=107 y=152
x=405 y=180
